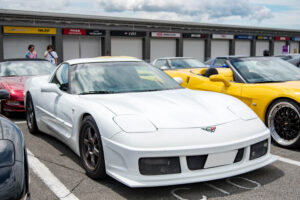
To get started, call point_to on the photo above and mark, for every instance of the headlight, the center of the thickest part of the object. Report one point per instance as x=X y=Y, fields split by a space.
x=134 y=124
x=242 y=111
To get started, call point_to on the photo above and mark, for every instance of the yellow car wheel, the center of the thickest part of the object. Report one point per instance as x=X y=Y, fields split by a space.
x=283 y=120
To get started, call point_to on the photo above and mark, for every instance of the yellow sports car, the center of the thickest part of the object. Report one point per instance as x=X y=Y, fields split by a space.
x=270 y=86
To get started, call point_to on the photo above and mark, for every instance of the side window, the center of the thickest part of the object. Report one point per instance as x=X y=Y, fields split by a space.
x=161 y=63
x=61 y=77
x=220 y=62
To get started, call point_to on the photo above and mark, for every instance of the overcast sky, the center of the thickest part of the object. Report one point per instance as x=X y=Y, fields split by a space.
x=266 y=13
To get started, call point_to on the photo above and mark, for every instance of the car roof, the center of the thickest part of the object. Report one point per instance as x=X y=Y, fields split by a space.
x=104 y=59
x=23 y=59
x=232 y=56
x=169 y=58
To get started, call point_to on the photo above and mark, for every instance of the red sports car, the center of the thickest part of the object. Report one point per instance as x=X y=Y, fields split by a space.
x=13 y=76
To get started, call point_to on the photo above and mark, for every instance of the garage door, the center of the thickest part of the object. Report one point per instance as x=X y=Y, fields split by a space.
x=243 y=47
x=71 y=47
x=90 y=46
x=219 y=48
x=278 y=47
x=121 y=46
x=261 y=46
x=81 y=47
x=294 y=46
x=194 y=48
x=162 y=48
x=16 y=46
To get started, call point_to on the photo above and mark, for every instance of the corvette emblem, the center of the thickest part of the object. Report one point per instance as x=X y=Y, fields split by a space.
x=211 y=129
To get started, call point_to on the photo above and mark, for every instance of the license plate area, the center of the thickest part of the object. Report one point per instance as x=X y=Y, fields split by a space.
x=220 y=159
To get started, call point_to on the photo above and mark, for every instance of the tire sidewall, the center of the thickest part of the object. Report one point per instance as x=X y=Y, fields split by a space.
x=34 y=129
x=100 y=171
x=296 y=144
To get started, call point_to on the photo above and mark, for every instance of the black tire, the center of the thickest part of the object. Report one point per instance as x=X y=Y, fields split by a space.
x=283 y=120
x=30 y=116
x=91 y=149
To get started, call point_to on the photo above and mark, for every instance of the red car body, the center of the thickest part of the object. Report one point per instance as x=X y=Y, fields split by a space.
x=15 y=86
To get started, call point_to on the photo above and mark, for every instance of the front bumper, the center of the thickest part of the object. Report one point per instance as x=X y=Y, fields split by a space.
x=122 y=160
x=13 y=108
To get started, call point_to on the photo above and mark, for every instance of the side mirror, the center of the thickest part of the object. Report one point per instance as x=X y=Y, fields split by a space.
x=219 y=78
x=178 y=80
x=163 y=67
x=51 y=87
x=4 y=94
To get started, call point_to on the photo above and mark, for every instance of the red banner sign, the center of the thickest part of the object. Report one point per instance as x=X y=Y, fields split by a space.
x=74 y=31
x=282 y=38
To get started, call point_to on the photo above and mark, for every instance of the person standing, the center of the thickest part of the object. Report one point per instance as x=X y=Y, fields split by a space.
x=31 y=54
x=51 y=55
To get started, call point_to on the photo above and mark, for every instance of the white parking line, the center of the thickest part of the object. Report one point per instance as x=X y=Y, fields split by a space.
x=20 y=122
x=49 y=179
x=289 y=161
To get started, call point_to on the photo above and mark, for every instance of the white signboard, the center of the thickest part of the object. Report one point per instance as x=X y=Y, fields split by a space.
x=222 y=36
x=165 y=35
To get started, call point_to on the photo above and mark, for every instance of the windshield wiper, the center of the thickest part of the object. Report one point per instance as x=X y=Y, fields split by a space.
x=97 y=92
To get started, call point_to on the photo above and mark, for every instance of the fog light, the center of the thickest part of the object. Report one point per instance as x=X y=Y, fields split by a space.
x=13 y=103
x=259 y=149
x=159 y=166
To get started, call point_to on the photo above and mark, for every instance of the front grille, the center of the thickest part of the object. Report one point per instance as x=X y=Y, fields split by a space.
x=159 y=166
x=239 y=155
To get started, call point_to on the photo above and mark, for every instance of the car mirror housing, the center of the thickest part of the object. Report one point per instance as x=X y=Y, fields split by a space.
x=4 y=94
x=219 y=78
x=51 y=87
x=179 y=80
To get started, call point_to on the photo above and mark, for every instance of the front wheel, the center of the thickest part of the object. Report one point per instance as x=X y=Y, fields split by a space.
x=283 y=120
x=30 y=116
x=91 y=150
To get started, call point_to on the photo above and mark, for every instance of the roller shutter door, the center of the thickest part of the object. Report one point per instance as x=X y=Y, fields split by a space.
x=81 y=47
x=278 y=47
x=261 y=46
x=162 y=48
x=194 y=48
x=219 y=48
x=121 y=46
x=16 y=46
x=90 y=46
x=293 y=46
x=70 y=47
x=243 y=47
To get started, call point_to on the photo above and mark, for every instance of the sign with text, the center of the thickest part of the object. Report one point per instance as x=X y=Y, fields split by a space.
x=128 y=33
x=95 y=32
x=194 y=35
x=29 y=30
x=222 y=36
x=244 y=37
x=165 y=35
x=296 y=38
x=74 y=31
x=285 y=49
x=264 y=38
x=282 y=38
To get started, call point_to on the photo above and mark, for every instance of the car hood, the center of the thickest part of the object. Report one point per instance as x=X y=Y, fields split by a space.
x=14 y=83
x=182 y=108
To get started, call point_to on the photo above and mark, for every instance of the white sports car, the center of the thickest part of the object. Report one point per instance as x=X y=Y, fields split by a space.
x=133 y=122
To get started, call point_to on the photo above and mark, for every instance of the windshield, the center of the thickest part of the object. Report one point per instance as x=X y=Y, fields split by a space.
x=185 y=63
x=119 y=77
x=265 y=69
x=26 y=68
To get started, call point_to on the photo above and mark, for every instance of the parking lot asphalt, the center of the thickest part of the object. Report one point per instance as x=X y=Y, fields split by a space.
x=280 y=180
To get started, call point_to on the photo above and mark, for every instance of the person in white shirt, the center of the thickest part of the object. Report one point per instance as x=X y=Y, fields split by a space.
x=51 y=55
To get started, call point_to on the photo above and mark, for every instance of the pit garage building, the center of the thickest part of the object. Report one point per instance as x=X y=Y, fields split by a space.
x=78 y=36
